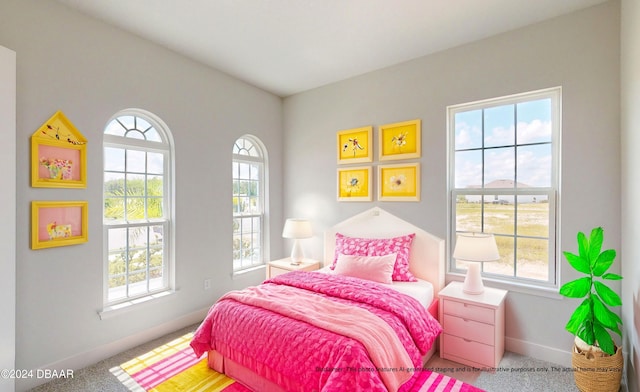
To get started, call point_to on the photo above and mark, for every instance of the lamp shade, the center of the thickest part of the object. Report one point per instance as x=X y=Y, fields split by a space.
x=475 y=248
x=297 y=229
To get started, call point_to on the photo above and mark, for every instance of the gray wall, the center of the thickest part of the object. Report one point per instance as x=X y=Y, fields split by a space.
x=89 y=70
x=630 y=48
x=8 y=213
x=579 y=52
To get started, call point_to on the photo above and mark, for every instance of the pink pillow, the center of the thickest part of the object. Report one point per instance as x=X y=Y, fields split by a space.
x=375 y=268
x=379 y=247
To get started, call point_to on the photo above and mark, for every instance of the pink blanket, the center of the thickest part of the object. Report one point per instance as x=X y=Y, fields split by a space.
x=302 y=356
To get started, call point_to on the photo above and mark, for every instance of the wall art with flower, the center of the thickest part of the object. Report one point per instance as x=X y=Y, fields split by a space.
x=399 y=182
x=355 y=145
x=400 y=140
x=58 y=155
x=58 y=223
x=354 y=184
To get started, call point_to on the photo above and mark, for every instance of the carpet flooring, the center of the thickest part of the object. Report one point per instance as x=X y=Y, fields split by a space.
x=515 y=372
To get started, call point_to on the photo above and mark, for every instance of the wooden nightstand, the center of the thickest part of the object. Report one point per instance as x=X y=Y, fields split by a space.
x=473 y=326
x=282 y=266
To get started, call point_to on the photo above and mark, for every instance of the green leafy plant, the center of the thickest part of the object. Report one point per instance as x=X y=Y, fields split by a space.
x=591 y=320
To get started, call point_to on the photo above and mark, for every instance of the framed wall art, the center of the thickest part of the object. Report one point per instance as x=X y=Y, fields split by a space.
x=399 y=182
x=355 y=145
x=58 y=155
x=400 y=140
x=58 y=223
x=354 y=184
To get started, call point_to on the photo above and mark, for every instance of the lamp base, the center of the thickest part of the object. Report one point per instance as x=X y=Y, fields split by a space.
x=297 y=254
x=473 y=280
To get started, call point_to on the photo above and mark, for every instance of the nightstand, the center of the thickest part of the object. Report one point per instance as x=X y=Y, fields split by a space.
x=473 y=326
x=282 y=266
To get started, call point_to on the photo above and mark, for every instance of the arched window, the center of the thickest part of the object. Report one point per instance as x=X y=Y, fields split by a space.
x=249 y=203
x=138 y=205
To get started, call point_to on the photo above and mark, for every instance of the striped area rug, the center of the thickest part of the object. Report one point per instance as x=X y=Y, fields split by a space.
x=174 y=367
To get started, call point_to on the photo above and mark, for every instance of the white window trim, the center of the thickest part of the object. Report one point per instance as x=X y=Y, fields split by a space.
x=263 y=160
x=111 y=308
x=546 y=289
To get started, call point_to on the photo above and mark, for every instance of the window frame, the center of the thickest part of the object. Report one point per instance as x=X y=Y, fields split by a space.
x=167 y=221
x=552 y=192
x=260 y=159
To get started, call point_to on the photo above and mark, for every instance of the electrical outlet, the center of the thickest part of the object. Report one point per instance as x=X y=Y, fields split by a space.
x=207 y=284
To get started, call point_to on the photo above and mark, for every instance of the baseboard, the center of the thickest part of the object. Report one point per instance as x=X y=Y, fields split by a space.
x=108 y=350
x=538 y=351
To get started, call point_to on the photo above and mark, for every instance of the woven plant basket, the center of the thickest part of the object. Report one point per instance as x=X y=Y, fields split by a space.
x=595 y=371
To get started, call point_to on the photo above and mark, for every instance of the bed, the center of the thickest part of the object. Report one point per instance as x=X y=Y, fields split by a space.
x=312 y=331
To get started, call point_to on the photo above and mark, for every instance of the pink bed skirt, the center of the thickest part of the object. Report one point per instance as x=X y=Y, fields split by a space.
x=256 y=382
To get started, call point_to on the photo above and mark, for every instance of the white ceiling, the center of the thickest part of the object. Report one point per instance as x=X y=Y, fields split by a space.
x=289 y=46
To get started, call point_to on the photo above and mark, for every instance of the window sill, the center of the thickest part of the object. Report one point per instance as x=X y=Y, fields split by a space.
x=135 y=304
x=238 y=274
x=523 y=288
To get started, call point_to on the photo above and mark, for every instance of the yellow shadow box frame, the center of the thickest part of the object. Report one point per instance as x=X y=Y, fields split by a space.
x=401 y=140
x=58 y=155
x=354 y=183
x=58 y=223
x=355 y=145
x=399 y=182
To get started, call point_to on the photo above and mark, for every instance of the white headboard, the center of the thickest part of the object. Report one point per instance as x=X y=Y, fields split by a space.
x=427 y=251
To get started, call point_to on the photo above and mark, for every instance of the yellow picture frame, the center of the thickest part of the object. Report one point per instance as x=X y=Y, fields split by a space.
x=354 y=183
x=400 y=182
x=355 y=145
x=402 y=140
x=58 y=155
x=58 y=223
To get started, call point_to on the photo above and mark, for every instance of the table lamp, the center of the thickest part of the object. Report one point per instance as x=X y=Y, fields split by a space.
x=475 y=248
x=297 y=229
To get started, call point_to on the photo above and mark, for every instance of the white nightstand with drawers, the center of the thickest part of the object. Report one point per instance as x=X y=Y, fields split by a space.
x=473 y=326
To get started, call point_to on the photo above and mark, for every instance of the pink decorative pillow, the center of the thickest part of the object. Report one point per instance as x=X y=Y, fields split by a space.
x=379 y=247
x=374 y=268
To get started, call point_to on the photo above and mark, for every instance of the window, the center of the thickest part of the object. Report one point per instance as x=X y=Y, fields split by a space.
x=249 y=203
x=504 y=165
x=137 y=212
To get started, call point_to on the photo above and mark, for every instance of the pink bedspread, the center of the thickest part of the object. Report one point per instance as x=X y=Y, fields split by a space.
x=304 y=357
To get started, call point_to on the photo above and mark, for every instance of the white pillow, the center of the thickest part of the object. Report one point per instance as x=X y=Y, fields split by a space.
x=375 y=268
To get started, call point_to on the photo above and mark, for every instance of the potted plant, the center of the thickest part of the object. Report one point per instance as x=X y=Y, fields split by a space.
x=597 y=361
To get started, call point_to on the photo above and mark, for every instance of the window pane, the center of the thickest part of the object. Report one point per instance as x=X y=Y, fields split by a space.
x=468 y=129
x=534 y=121
x=254 y=172
x=155 y=163
x=114 y=128
x=504 y=266
x=499 y=127
x=533 y=216
x=114 y=208
x=535 y=165
x=155 y=186
x=154 y=208
x=135 y=208
x=533 y=259
x=114 y=159
x=499 y=168
x=135 y=184
x=113 y=184
x=468 y=169
x=469 y=214
x=136 y=161
x=499 y=216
